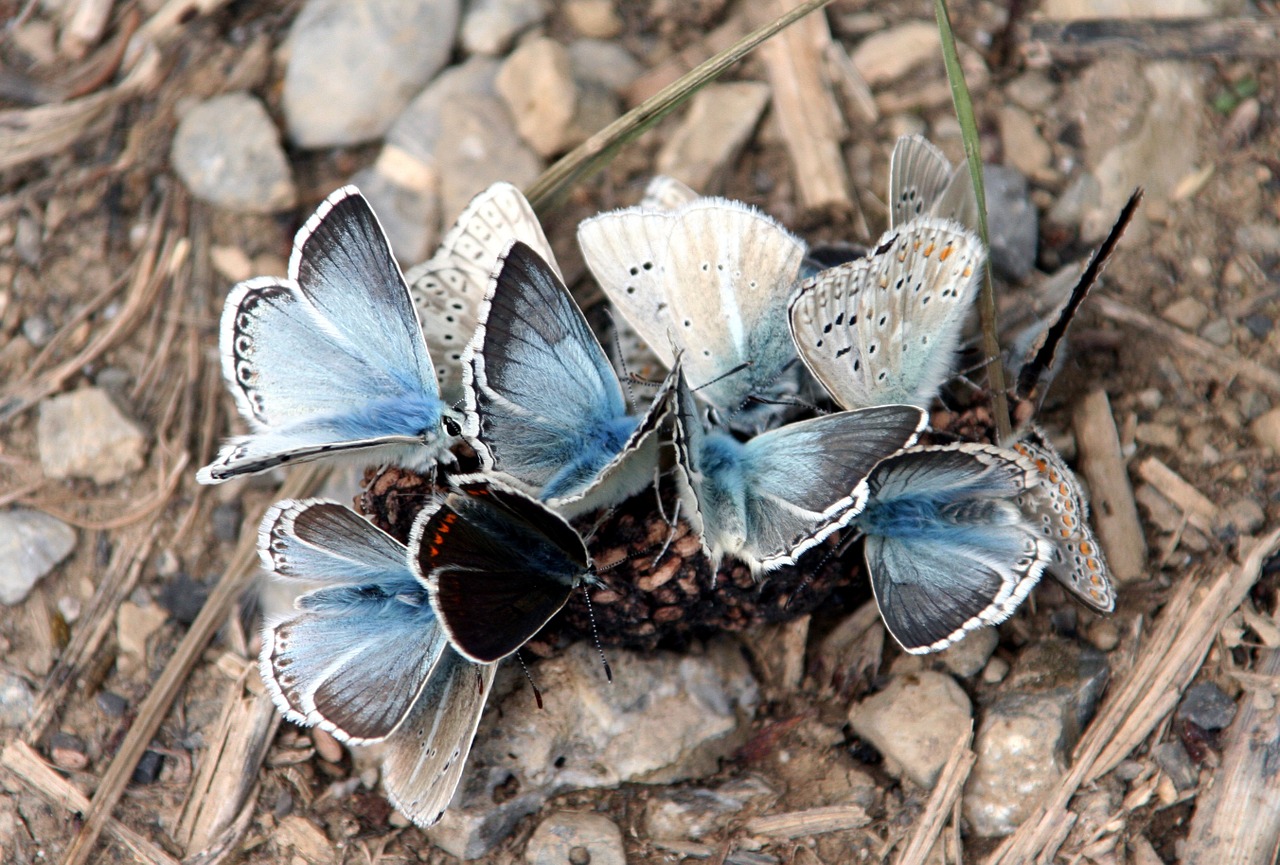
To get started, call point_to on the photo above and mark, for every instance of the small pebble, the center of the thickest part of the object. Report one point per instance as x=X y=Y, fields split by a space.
x=595 y=19
x=17 y=700
x=68 y=752
x=1245 y=516
x=183 y=598
x=111 y=704
x=891 y=53
x=1173 y=760
x=1187 y=313
x=329 y=748
x=1207 y=706
x=995 y=671
x=1013 y=222
x=37 y=329
x=1104 y=635
x=491 y=26
x=1217 y=332
x=31 y=545
x=913 y=723
x=576 y=837
x=1259 y=325
x=148 y=768
x=227 y=151
x=83 y=434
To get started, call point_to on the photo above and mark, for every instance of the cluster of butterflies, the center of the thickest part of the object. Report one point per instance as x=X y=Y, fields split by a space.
x=398 y=644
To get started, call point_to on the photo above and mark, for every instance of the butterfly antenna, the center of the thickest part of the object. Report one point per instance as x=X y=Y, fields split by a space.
x=537 y=695
x=1029 y=377
x=625 y=378
x=671 y=535
x=595 y=635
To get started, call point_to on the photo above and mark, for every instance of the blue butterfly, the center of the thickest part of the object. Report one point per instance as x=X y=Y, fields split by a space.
x=767 y=500
x=544 y=409
x=954 y=540
x=330 y=361
x=364 y=656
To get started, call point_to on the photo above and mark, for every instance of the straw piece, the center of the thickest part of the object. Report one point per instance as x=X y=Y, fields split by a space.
x=1115 y=514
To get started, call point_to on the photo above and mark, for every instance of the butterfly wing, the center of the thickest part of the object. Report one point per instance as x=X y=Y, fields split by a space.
x=806 y=480
x=448 y=289
x=689 y=435
x=353 y=655
x=918 y=175
x=664 y=192
x=332 y=364
x=423 y=760
x=948 y=549
x=727 y=274
x=498 y=565
x=623 y=250
x=1062 y=513
x=884 y=329
x=544 y=406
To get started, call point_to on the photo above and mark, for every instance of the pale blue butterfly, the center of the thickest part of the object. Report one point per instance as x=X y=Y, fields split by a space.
x=364 y=656
x=544 y=408
x=954 y=540
x=922 y=182
x=884 y=329
x=769 y=499
x=331 y=360
x=708 y=281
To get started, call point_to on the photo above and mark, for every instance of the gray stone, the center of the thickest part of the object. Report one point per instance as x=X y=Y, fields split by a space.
x=38 y=329
x=1243 y=516
x=227 y=151
x=1081 y=196
x=716 y=126
x=682 y=714
x=892 y=53
x=405 y=194
x=1032 y=91
x=1258 y=325
x=967 y=657
x=576 y=837
x=355 y=64
x=1066 y=673
x=1021 y=749
x=605 y=63
x=1206 y=706
x=82 y=434
x=1024 y=148
x=17 y=700
x=1186 y=312
x=694 y=814
x=31 y=544
x=1012 y=222
x=1217 y=332
x=419 y=128
x=491 y=26
x=1173 y=760
x=479 y=150
x=913 y=723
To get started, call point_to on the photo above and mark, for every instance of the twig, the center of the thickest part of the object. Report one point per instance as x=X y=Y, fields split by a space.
x=301 y=483
x=1115 y=513
x=1166 y=665
x=814 y=821
x=946 y=793
x=22 y=761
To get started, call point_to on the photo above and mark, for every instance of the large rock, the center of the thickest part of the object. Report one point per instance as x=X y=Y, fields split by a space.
x=227 y=151
x=354 y=64
x=83 y=435
x=914 y=723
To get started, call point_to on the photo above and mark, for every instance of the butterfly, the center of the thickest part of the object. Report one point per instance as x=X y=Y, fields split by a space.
x=448 y=289
x=769 y=499
x=330 y=360
x=543 y=406
x=884 y=329
x=923 y=183
x=707 y=281
x=497 y=564
x=364 y=655
x=954 y=540
x=1063 y=515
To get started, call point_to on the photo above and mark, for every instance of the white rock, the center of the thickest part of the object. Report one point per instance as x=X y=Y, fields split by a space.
x=1187 y=313
x=599 y=61
x=1024 y=148
x=597 y=19
x=227 y=151
x=419 y=128
x=967 y=657
x=479 y=149
x=82 y=434
x=592 y=837
x=17 y=701
x=913 y=723
x=890 y=54
x=665 y=718
x=1020 y=759
x=405 y=193
x=716 y=126
x=354 y=64
x=31 y=544
x=536 y=82
x=1266 y=429
x=490 y=26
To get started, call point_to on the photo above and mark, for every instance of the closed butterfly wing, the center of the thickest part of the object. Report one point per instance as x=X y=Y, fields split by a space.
x=727 y=273
x=884 y=329
x=1062 y=513
x=353 y=655
x=544 y=406
x=922 y=182
x=498 y=565
x=664 y=192
x=624 y=249
x=948 y=549
x=423 y=761
x=329 y=361
x=448 y=289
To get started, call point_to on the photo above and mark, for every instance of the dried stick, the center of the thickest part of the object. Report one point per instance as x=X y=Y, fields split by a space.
x=1115 y=514
x=946 y=793
x=301 y=483
x=1168 y=662
x=21 y=760
x=814 y=821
